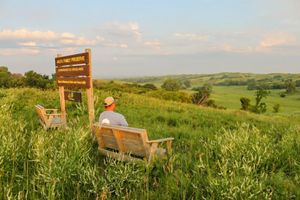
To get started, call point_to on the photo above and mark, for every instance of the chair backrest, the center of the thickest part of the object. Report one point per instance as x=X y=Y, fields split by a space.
x=41 y=112
x=123 y=139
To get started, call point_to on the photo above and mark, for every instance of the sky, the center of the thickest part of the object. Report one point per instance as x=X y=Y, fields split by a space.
x=130 y=38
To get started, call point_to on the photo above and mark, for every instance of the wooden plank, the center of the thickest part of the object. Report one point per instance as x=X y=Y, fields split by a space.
x=109 y=142
x=73 y=71
x=128 y=143
x=89 y=91
x=120 y=156
x=118 y=138
x=73 y=82
x=62 y=102
x=122 y=128
x=75 y=59
x=73 y=96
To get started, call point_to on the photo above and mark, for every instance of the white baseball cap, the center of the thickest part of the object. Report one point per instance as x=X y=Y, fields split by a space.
x=108 y=101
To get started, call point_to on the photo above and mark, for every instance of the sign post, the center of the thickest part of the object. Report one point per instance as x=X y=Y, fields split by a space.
x=75 y=72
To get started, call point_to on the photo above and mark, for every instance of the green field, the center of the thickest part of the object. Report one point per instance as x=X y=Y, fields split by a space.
x=229 y=97
x=227 y=94
x=217 y=154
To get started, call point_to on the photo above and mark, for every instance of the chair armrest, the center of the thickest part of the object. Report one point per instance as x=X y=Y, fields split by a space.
x=160 y=140
x=54 y=114
x=51 y=110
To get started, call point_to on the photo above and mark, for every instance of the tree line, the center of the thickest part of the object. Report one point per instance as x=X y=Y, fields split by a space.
x=29 y=79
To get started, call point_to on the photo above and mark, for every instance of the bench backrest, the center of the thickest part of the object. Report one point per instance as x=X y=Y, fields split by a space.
x=41 y=112
x=123 y=139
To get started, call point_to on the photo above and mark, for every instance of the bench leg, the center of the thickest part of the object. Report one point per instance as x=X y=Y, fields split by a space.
x=152 y=152
x=169 y=147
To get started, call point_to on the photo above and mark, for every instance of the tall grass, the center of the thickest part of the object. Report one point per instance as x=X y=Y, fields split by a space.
x=217 y=154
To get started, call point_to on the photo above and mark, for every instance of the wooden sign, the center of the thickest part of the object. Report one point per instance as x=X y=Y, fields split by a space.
x=73 y=71
x=74 y=82
x=76 y=59
x=73 y=96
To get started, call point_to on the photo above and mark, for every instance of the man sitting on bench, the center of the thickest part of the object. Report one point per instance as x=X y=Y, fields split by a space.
x=109 y=116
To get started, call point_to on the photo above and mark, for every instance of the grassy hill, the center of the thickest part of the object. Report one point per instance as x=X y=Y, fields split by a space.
x=228 y=88
x=229 y=97
x=225 y=78
x=218 y=154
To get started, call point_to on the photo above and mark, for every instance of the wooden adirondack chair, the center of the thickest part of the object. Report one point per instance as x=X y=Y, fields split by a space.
x=129 y=144
x=49 y=118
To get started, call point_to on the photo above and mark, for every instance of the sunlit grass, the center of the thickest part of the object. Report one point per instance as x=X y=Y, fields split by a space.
x=217 y=154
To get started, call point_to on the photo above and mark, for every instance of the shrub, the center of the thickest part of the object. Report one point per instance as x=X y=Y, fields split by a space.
x=202 y=95
x=290 y=86
x=282 y=95
x=245 y=103
x=150 y=86
x=260 y=107
x=276 y=108
x=171 y=85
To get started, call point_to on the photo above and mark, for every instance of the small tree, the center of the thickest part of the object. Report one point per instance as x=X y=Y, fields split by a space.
x=290 y=86
x=186 y=83
x=171 y=85
x=33 y=79
x=276 y=108
x=202 y=94
x=5 y=77
x=260 y=107
x=245 y=103
x=150 y=86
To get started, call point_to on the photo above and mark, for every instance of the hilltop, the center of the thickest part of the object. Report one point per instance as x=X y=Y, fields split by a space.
x=216 y=154
x=225 y=78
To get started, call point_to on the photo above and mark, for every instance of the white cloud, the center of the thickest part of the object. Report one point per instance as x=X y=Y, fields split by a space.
x=37 y=41
x=23 y=51
x=28 y=35
x=79 y=41
x=117 y=45
x=27 y=44
x=192 y=36
x=131 y=29
x=233 y=49
x=46 y=37
x=277 y=39
x=153 y=43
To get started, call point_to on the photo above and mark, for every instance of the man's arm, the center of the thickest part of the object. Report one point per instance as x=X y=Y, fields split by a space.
x=123 y=121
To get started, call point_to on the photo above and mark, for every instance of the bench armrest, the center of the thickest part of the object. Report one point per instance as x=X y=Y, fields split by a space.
x=54 y=114
x=155 y=143
x=160 y=140
x=51 y=109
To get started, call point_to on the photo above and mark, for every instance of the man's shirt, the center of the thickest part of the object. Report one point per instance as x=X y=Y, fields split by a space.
x=112 y=118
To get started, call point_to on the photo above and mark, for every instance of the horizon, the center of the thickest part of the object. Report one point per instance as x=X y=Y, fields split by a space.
x=144 y=39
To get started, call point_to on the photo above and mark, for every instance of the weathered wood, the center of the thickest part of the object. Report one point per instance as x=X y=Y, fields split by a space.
x=118 y=138
x=73 y=96
x=126 y=140
x=62 y=102
x=161 y=140
x=49 y=120
x=89 y=91
x=119 y=156
x=81 y=58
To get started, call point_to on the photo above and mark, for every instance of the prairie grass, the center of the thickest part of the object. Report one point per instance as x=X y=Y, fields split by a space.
x=216 y=154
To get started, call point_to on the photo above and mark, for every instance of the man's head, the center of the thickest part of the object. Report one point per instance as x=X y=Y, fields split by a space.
x=109 y=104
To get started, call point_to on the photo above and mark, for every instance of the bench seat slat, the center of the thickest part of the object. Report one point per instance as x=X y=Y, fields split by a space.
x=120 y=142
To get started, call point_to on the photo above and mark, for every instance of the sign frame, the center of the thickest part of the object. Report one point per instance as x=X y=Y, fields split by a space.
x=67 y=79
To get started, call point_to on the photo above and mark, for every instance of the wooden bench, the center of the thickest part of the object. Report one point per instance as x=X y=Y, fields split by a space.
x=49 y=118
x=129 y=144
